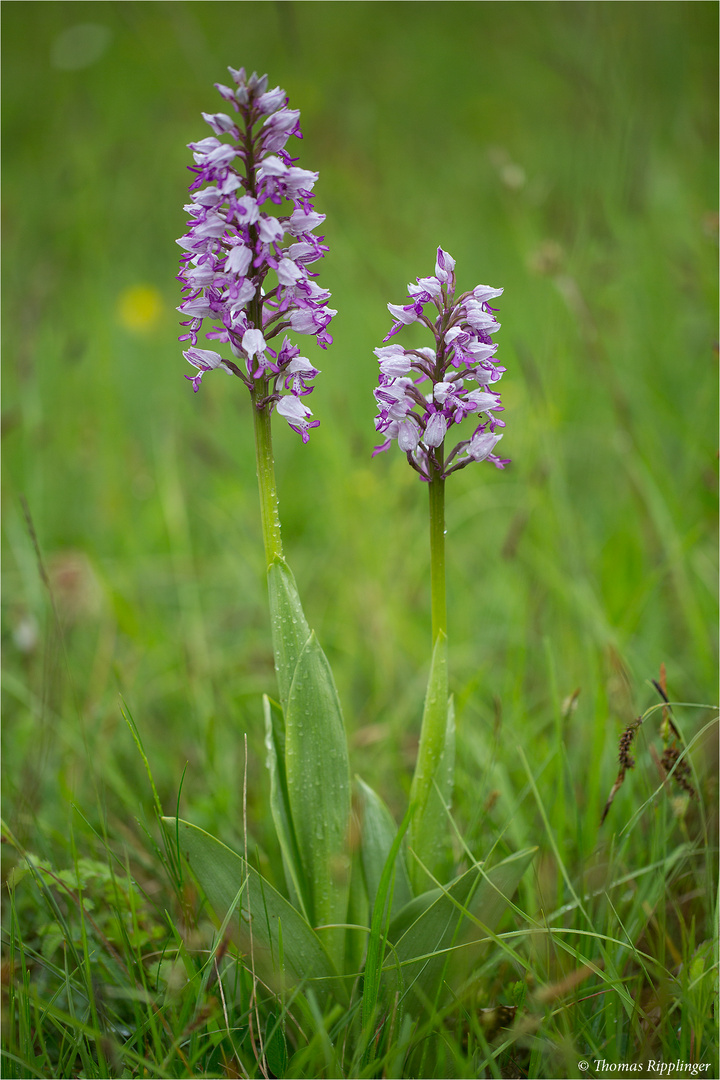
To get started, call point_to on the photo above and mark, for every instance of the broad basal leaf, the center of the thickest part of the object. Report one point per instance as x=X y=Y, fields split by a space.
x=263 y=914
x=358 y=914
x=318 y=784
x=280 y=806
x=377 y=832
x=431 y=788
x=439 y=919
x=290 y=630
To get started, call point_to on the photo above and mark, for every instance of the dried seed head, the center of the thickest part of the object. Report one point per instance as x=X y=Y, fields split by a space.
x=627 y=761
x=672 y=763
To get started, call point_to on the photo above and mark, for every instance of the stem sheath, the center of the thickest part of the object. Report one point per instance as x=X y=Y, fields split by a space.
x=437 y=556
x=435 y=751
x=269 y=515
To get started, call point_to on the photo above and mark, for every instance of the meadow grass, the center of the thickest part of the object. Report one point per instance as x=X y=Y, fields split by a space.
x=564 y=151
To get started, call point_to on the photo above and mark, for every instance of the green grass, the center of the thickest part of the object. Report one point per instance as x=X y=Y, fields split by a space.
x=564 y=151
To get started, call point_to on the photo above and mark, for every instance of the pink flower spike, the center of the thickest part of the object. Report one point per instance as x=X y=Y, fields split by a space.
x=251 y=212
x=425 y=392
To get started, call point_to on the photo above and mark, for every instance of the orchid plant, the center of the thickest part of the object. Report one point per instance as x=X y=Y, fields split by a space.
x=384 y=916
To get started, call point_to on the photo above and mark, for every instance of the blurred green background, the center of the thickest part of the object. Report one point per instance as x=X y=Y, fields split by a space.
x=564 y=151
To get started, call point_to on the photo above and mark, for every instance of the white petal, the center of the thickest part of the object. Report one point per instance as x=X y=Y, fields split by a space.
x=436 y=430
x=293 y=409
x=288 y=273
x=483 y=444
x=238 y=260
x=253 y=342
x=300 y=363
x=270 y=230
x=408 y=435
x=272 y=166
x=486 y=292
x=401 y=314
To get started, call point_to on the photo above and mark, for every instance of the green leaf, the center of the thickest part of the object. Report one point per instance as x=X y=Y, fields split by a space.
x=431 y=839
x=311 y=801
x=290 y=630
x=432 y=783
x=318 y=783
x=280 y=806
x=439 y=919
x=358 y=913
x=377 y=832
x=378 y=936
x=276 y=1054
x=222 y=873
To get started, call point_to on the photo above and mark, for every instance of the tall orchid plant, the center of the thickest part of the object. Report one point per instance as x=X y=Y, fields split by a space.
x=387 y=908
x=423 y=393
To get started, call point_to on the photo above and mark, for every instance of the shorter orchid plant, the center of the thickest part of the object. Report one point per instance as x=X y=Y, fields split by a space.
x=384 y=918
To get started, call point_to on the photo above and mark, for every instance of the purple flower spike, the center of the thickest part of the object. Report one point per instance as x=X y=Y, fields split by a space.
x=248 y=248
x=424 y=392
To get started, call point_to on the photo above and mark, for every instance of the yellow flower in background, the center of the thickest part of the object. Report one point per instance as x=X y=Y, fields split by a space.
x=139 y=308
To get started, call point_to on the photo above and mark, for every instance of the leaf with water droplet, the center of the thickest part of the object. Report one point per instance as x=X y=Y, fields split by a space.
x=290 y=630
x=377 y=835
x=431 y=790
x=318 y=777
x=280 y=806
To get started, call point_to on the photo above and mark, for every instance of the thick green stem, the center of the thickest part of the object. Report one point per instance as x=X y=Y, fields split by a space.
x=435 y=752
x=266 y=480
x=437 y=556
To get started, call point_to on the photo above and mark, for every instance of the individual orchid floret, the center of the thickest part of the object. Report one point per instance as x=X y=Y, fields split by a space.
x=204 y=360
x=249 y=249
x=425 y=392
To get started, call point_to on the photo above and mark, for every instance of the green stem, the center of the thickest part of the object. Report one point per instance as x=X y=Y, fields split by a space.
x=428 y=828
x=269 y=515
x=437 y=556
